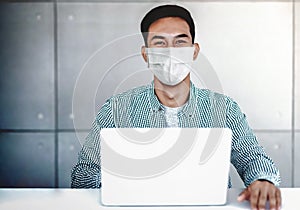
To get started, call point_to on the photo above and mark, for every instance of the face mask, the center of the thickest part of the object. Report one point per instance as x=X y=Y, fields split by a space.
x=170 y=65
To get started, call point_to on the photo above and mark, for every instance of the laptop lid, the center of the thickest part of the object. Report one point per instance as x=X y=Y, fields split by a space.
x=164 y=166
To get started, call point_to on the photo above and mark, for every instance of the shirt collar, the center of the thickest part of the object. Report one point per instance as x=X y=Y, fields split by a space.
x=188 y=109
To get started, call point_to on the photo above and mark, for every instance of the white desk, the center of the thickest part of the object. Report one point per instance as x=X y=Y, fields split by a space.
x=89 y=200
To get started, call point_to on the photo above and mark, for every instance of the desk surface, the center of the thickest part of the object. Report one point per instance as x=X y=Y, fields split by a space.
x=89 y=199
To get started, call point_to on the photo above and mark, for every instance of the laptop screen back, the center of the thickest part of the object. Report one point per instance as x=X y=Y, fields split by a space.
x=164 y=166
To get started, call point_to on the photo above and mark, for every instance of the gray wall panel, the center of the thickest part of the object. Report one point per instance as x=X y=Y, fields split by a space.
x=297 y=65
x=297 y=160
x=68 y=148
x=26 y=66
x=27 y=160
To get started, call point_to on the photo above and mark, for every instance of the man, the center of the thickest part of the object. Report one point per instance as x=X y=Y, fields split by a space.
x=172 y=100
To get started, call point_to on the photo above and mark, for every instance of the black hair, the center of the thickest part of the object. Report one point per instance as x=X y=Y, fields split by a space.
x=166 y=11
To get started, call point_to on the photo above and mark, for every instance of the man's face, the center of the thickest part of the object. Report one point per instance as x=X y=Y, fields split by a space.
x=169 y=32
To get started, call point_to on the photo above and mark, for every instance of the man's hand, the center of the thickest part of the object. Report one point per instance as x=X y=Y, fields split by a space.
x=259 y=192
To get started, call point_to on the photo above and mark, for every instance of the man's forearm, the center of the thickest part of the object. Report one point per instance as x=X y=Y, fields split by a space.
x=86 y=176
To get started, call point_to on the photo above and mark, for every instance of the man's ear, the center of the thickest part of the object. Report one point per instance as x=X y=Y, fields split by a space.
x=196 y=51
x=144 y=54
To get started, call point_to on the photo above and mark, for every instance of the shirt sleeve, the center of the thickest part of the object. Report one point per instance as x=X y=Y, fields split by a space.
x=87 y=172
x=247 y=156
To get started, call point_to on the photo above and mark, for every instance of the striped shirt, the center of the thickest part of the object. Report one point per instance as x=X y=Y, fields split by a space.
x=140 y=108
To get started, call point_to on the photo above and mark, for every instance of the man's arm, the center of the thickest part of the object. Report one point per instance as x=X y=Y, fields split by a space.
x=248 y=157
x=254 y=166
x=87 y=172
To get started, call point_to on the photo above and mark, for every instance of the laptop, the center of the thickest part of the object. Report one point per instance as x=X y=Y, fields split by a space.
x=164 y=166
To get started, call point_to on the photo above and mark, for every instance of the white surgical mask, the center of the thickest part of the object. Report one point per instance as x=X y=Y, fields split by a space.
x=170 y=65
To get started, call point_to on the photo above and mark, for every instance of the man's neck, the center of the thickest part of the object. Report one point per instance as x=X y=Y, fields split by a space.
x=172 y=96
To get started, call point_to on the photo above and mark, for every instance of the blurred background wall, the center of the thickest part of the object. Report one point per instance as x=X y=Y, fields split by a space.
x=59 y=61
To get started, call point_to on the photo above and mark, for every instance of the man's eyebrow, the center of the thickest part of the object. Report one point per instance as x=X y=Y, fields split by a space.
x=182 y=36
x=157 y=37
x=163 y=37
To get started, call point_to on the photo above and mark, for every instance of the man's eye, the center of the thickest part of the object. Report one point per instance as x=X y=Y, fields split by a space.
x=159 y=43
x=180 y=42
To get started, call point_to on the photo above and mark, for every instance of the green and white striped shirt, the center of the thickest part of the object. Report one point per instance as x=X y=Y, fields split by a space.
x=140 y=108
